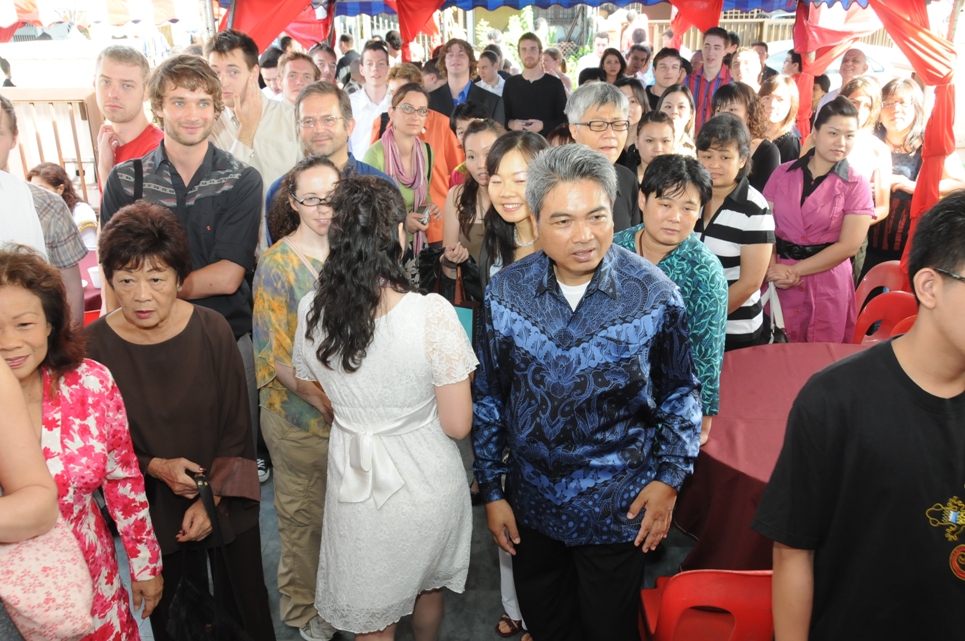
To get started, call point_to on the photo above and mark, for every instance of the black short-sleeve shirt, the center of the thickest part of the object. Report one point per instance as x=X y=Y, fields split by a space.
x=872 y=478
x=220 y=210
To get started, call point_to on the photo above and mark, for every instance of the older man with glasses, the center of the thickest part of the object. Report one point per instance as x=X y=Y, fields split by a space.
x=599 y=116
x=586 y=377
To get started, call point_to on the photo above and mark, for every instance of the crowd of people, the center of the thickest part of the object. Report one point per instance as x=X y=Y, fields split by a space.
x=265 y=250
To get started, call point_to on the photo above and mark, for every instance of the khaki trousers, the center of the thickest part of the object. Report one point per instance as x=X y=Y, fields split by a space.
x=300 y=464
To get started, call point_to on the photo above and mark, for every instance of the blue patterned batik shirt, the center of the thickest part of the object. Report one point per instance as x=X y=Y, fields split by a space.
x=592 y=404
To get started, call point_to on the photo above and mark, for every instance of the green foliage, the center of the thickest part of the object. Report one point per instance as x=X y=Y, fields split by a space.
x=482 y=31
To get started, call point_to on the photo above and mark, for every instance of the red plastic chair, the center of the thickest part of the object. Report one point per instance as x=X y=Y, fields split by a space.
x=890 y=308
x=91 y=316
x=903 y=326
x=708 y=605
x=887 y=275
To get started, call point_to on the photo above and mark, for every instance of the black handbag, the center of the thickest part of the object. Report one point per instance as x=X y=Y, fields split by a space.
x=432 y=279
x=194 y=614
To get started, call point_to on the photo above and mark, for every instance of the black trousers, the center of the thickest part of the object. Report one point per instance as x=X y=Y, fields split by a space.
x=244 y=554
x=581 y=593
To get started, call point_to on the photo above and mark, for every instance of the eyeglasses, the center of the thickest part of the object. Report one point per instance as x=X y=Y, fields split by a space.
x=325 y=121
x=891 y=104
x=310 y=201
x=602 y=125
x=945 y=272
x=408 y=110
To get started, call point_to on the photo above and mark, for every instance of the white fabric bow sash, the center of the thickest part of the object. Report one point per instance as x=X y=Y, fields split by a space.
x=371 y=471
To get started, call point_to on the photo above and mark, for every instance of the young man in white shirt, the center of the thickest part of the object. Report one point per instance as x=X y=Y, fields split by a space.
x=255 y=130
x=600 y=42
x=489 y=78
x=373 y=99
x=296 y=70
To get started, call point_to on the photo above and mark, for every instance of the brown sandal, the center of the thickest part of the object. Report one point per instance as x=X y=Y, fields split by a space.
x=515 y=627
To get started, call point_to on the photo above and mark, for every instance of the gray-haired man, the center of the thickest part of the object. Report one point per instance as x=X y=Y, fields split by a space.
x=589 y=474
x=599 y=117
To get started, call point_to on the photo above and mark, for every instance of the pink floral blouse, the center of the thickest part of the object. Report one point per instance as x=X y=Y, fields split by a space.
x=87 y=445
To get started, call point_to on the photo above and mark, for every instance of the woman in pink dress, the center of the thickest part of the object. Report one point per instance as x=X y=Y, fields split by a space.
x=822 y=211
x=77 y=412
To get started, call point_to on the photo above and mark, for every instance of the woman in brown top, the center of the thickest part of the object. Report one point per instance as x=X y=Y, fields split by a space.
x=183 y=382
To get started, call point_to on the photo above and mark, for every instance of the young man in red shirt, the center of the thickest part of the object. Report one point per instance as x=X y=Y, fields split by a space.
x=120 y=83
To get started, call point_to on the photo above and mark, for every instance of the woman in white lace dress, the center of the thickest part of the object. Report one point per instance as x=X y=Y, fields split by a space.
x=395 y=365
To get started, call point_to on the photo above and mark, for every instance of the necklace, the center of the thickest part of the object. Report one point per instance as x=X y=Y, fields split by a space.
x=516 y=239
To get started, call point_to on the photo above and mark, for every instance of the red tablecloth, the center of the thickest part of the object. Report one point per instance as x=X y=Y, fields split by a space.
x=92 y=295
x=716 y=505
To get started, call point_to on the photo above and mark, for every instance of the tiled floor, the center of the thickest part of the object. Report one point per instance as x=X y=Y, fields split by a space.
x=470 y=616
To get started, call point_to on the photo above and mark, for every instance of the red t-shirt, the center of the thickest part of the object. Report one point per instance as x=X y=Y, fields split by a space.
x=146 y=142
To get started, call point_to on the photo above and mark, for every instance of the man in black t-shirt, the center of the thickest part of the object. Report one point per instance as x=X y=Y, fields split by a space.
x=865 y=505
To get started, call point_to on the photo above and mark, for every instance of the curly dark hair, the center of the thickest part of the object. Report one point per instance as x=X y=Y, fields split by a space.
x=738 y=92
x=21 y=266
x=498 y=238
x=144 y=231
x=365 y=250
x=282 y=217
x=466 y=205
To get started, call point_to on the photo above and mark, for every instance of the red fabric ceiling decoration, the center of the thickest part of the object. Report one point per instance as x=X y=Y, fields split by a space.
x=702 y=14
x=263 y=20
x=308 y=29
x=934 y=60
x=415 y=17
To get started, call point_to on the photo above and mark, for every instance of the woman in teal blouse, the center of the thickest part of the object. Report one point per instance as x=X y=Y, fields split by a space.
x=673 y=191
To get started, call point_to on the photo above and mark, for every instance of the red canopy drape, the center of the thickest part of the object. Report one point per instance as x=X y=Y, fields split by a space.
x=263 y=20
x=702 y=14
x=934 y=60
x=415 y=17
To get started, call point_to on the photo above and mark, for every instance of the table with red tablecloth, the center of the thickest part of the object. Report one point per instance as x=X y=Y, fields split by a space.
x=717 y=503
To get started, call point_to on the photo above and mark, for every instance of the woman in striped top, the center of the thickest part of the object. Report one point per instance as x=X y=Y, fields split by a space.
x=737 y=226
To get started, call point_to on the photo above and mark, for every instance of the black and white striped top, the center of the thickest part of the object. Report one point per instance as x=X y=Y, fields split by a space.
x=743 y=219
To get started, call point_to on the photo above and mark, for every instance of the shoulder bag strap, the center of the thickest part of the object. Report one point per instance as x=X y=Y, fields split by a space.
x=302 y=256
x=138 y=180
x=207 y=498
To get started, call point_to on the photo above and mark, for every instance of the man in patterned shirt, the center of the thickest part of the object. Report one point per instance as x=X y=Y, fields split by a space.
x=587 y=378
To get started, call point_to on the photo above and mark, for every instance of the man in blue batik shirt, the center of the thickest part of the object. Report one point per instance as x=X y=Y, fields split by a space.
x=587 y=378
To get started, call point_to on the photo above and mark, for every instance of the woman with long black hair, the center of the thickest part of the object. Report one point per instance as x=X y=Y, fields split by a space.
x=396 y=367
x=510 y=225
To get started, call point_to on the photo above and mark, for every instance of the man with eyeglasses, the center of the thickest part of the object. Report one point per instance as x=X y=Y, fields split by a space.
x=458 y=69
x=373 y=99
x=325 y=124
x=534 y=100
x=865 y=502
x=853 y=64
x=254 y=129
x=599 y=117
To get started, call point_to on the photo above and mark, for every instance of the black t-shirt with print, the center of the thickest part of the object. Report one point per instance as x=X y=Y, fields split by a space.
x=872 y=477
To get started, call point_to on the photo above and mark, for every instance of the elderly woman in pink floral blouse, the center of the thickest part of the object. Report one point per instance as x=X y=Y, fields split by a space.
x=78 y=414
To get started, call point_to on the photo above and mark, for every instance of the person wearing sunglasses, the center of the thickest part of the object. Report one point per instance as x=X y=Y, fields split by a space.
x=405 y=158
x=599 y=117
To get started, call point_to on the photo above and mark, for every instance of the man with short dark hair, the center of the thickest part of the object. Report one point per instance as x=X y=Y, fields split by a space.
x=535 y=100
x=638 y=63
x=268 y=65
x=5 y=69
x=430 y=76
x=253 y=129
x=703 y=83
x=373 y=98
x=666 y=71
x=342 y=71
x=762 y=51
x=599 y=449
x=459 y=66
x=499 y=65
x=884 y=429
x=394 y=41
x=325 y=59
x=598 y=114
x=822 y=85
x=487 y=68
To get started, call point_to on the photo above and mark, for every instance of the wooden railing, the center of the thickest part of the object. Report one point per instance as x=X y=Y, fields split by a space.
x=754 y=29
x=59 y=126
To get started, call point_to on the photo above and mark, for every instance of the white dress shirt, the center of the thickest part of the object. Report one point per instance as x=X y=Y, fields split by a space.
x=498 y=89
x=365 y=112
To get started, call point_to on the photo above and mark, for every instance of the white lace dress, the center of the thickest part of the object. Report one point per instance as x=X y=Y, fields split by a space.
x=398 y=518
